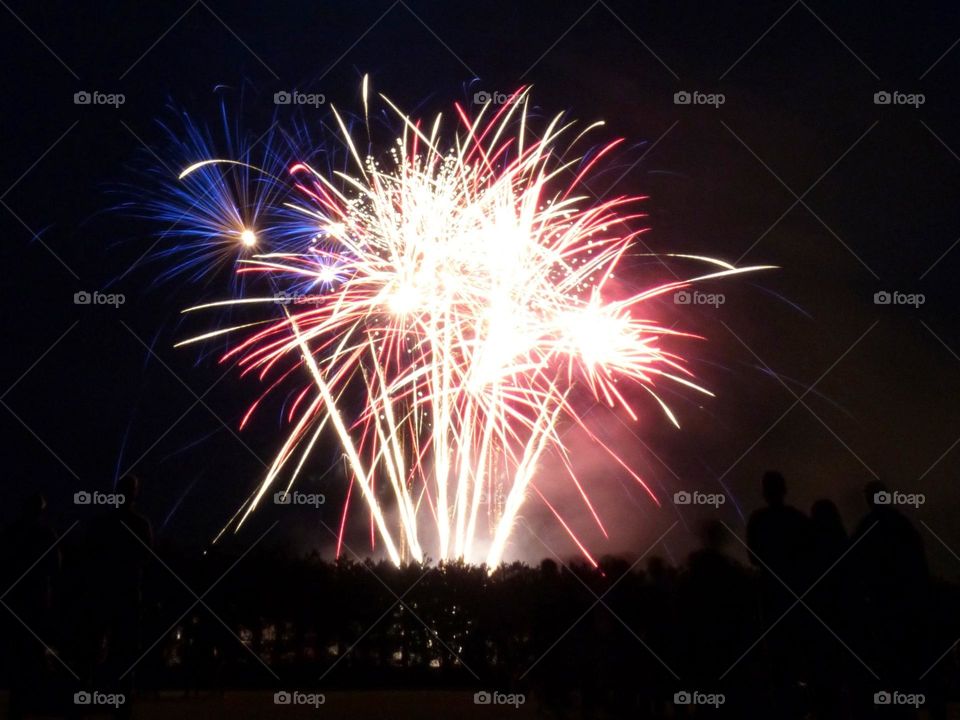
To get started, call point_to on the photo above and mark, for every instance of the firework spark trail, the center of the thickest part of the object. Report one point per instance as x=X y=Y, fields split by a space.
x=465 y=292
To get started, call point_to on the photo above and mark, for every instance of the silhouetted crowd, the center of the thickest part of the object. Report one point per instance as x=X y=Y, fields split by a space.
x=823 y=623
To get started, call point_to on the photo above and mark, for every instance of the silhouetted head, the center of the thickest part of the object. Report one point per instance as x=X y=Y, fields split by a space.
x=774 y=487
x=874 y=492
x=548 y=568
x=129 y=487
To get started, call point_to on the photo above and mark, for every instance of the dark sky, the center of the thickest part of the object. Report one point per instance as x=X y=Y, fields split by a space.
x=798 y=168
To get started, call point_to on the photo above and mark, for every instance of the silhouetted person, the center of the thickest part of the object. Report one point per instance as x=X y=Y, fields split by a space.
x=780 y=540
x=893 y=583
x=33 y=564
x=779 y=537
x=119 y=551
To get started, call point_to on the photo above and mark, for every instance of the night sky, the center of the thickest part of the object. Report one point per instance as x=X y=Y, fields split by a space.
x=798 y=168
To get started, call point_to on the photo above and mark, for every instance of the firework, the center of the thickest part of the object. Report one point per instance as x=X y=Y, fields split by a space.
x=463 y=287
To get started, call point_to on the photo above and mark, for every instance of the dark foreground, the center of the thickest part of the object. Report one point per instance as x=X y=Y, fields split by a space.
x=820 y=624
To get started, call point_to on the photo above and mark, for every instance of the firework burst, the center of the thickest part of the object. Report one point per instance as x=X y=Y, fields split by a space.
x=463 y=286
